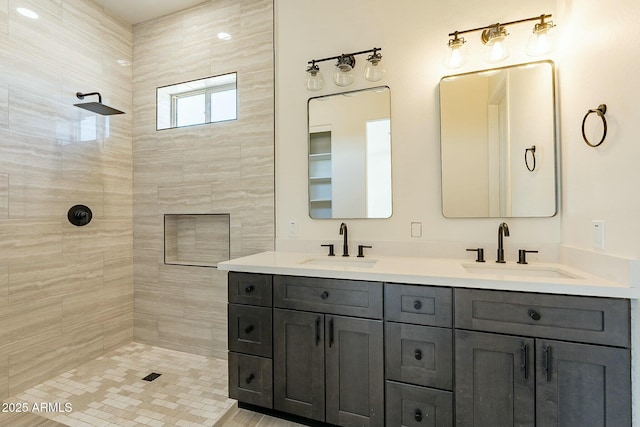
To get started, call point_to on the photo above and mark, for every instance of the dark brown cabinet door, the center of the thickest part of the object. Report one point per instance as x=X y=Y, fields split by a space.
x=495 y=380
x=298 y=363
x=355 y=371
x=582 y=385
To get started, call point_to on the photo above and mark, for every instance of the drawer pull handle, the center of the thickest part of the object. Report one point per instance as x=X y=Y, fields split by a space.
x=418 y=415
x=417 y=305
x=249 y=289
x=534 y=315
x=418 y=354
x=318 y=331
x=250 y=378
x=324 y=295
x=249 y=329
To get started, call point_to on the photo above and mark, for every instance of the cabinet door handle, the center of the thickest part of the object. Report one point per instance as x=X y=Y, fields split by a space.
x=546 y=360
x=534 y=315
x=249 y=329
x=324 y=295
x=249 y=378
x=524 y=362
x=330 y=332
x=249 y=289
x=417 y=304
x=418 y=415
x=317 y=330
x=418 y=354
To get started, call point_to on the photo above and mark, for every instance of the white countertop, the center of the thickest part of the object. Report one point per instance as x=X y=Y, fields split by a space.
x=434 y=271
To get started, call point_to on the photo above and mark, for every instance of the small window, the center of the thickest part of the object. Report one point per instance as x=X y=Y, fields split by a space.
x=209 y=100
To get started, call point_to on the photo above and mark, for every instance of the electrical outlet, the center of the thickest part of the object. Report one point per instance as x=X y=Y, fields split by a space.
x=293 y=228
x=597 y=230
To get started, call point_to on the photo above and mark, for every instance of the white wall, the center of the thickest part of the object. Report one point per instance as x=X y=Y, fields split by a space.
x=592 y=69
x=413 y=37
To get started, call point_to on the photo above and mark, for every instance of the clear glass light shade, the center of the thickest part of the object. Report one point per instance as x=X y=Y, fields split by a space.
x=542 y=40
x=497 y=49
x=314 y=80
x=343 y=75
x=374 y=70
x=456 y=55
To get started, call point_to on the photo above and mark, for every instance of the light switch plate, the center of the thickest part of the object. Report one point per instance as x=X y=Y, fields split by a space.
x=416 y=229
x=293 y=228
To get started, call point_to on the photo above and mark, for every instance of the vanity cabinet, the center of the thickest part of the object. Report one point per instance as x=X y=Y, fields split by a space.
x=328 y=365
x=525 y=359
x=366 y=353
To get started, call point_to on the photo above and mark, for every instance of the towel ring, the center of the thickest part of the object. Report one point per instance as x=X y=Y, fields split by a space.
x=533 y=155
x=600 y=111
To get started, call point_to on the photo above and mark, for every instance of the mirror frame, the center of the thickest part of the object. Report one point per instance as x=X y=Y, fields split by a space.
x=556 y=140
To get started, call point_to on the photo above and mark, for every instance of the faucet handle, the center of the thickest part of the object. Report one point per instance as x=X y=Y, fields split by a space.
x=361 y=250
x=522 y=256
x=480 y=252
x=330 y=246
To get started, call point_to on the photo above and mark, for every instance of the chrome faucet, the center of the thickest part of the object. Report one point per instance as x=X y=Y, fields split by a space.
x=502 y=229
x=345 y=246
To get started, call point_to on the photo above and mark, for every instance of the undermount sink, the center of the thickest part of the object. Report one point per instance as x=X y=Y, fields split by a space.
x=519 y=270
x=341 y=262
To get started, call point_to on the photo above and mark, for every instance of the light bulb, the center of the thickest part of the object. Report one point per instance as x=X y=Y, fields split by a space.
x=456 y=55
x=495 y=41
x=541 y=41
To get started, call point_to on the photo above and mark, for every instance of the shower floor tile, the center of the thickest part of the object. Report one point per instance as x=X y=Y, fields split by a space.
x=110 y=391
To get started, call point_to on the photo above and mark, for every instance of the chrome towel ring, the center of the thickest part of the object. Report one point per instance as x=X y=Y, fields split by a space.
x=600 y=111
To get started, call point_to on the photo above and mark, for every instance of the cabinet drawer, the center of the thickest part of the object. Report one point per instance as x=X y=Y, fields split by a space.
x=413 y=406
x=250 y=329
x=422 y=305
x=251 y=379
x=331 y=296
x=419 y=355
x=249 y=288
x=571 y=318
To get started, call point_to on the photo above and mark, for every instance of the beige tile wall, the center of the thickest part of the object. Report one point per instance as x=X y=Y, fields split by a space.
x=66 y=293
x=216 y=168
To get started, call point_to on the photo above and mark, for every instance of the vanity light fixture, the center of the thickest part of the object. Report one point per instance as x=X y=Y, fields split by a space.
x=494 y=37
x=343 y=73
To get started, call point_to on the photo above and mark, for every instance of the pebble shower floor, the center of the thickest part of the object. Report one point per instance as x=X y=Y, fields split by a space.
x=109 y=391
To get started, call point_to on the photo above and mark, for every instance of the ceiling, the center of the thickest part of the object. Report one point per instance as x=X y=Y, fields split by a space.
x=136 y=11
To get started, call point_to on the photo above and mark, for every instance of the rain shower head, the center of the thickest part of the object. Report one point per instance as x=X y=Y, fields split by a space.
x=96 y=107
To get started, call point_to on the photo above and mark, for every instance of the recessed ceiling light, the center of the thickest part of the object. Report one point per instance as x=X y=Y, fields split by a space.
x=224 y=36
x=27 y=12
x=123 y=62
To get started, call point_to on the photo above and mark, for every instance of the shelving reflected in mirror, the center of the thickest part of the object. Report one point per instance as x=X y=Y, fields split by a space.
x=498 y=142
x=350 y=154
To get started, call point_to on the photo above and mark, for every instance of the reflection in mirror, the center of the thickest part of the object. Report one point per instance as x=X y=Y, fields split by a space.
x=350 y=155
x=498 y=142
x=209 y=100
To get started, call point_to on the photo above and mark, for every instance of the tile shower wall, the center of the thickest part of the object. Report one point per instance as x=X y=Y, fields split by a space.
x=209 y=169
x=66 y=293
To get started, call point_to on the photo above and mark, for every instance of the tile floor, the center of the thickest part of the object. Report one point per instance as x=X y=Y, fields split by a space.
x=109 y=391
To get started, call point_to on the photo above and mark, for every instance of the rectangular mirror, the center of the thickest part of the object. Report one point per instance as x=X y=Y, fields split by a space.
x=498 y=142
x=350 y=154
x=209 y=100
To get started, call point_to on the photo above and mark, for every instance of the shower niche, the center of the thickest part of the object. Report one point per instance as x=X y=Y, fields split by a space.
x=196 y=239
